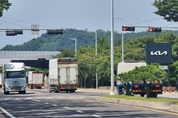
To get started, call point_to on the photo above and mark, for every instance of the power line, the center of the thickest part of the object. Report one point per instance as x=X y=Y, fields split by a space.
x=13 y=24
x=26 y=22
x=145 y=21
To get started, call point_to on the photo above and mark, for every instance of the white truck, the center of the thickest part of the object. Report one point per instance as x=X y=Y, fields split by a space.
x=63 y=75
x=14 y=77
x=35 y=79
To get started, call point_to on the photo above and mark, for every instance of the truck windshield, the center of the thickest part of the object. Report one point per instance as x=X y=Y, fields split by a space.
x=15 y=74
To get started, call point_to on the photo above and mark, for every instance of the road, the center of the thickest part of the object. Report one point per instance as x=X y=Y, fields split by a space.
x=41 y=103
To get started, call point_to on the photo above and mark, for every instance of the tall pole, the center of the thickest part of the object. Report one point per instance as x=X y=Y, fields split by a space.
x=96 y=56
x=122 y=40
x=122 y=43
x=75 y=46
x=112 y=49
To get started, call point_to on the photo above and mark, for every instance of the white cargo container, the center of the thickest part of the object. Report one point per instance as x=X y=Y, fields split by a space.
x=126 y=67
x=63 y=75
x=35 y=79
x=14 y=78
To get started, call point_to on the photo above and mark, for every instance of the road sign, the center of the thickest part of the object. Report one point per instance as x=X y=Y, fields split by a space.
x=35 y=29
x=163 y=67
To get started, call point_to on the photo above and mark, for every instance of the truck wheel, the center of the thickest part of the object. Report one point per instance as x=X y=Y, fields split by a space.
x=6 y=93
x=52 y=91
x=73 y=91
x=142 y=95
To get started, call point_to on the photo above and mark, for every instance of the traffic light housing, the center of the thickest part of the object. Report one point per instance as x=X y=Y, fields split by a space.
x=128 y=28
x=154 y=29
x=57 y=31
x=13 y=32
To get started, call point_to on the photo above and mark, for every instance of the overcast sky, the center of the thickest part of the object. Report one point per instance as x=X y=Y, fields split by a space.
x=78 y=14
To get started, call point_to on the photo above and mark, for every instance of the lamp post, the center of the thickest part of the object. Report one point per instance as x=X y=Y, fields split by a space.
x=96 y=55
x=75 y=45
x=112 y=49
x=122 y=39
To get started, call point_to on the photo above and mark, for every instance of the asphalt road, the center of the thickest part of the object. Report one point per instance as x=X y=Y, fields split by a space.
x=40 y=103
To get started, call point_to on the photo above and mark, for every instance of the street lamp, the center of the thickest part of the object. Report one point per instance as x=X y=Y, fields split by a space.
x=122 y=39
x=96 y=55
x=75 y=45
x=112 y=48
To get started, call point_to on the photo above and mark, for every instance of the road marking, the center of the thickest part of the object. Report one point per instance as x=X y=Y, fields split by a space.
x=96 y=116
x=150 y=109
x=7 y=113
x=46 y=103
x=79 y=111
x=160 y=111
x=36 y=100
x=66 y=107
x=54 y=105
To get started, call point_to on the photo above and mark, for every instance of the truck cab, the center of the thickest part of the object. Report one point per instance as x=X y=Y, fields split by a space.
x=14 y=78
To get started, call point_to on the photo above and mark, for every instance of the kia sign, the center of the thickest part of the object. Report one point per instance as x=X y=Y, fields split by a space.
x=159 y=53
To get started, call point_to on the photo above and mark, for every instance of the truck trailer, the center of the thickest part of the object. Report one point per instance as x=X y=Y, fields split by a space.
x=63 y=75
x=14 y=77
x=35 y=79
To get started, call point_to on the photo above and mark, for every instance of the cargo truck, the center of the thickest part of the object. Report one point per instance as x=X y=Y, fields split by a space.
x=35 y=79
x=14 y=77
x=151 y=89
x=63 y=75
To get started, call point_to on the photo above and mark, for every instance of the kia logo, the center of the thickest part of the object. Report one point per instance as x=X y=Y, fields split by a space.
x=159 y=53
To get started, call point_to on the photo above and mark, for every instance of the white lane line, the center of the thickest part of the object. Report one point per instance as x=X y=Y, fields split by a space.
x=79 y=111
x=96 y=116
x=54 y=105
x=36 y=100
x=66 y=107
x=7 y=113
x=46 y=103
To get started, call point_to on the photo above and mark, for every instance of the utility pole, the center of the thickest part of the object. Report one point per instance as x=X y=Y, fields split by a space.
x=112 y=49
x=96 y=57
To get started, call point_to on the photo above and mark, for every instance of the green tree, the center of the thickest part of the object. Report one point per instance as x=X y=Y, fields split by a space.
x=4 y=5
x=167 y=8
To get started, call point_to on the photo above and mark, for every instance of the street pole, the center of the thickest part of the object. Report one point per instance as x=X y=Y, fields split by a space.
x=96 y=56
x=122 y=43
x=75 y=46
x=112 y=49
x=122 y=40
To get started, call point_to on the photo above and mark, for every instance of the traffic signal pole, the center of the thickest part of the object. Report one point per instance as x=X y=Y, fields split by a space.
x=112 y=49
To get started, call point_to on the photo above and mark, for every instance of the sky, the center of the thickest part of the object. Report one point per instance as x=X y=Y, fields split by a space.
x=76 y=14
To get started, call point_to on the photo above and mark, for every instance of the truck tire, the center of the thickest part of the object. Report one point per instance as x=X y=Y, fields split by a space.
x=142 y=95
x=72 y=91
x=6 y=93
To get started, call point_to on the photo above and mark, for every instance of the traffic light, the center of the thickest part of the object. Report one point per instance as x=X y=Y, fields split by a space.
x=13 y=32
x=57 y=31
x=154 y=29
x=18 y=31
x=128 y=28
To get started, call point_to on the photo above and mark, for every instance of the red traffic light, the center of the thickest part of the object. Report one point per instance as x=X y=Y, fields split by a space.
x=128 y=28
x=154 y=29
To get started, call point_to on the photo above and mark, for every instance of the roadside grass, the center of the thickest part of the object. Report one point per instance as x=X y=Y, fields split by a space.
x=170 y=100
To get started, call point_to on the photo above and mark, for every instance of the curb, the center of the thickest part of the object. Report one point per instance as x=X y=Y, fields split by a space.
x=155 y=105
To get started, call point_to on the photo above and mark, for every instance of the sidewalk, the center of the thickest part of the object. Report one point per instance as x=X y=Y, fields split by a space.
x=164 y=95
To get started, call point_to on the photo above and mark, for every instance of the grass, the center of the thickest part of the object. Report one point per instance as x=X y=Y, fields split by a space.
x=171 y=100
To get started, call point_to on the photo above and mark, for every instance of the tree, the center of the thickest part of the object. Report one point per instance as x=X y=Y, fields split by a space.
x=167 y=8
x=4 y=5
